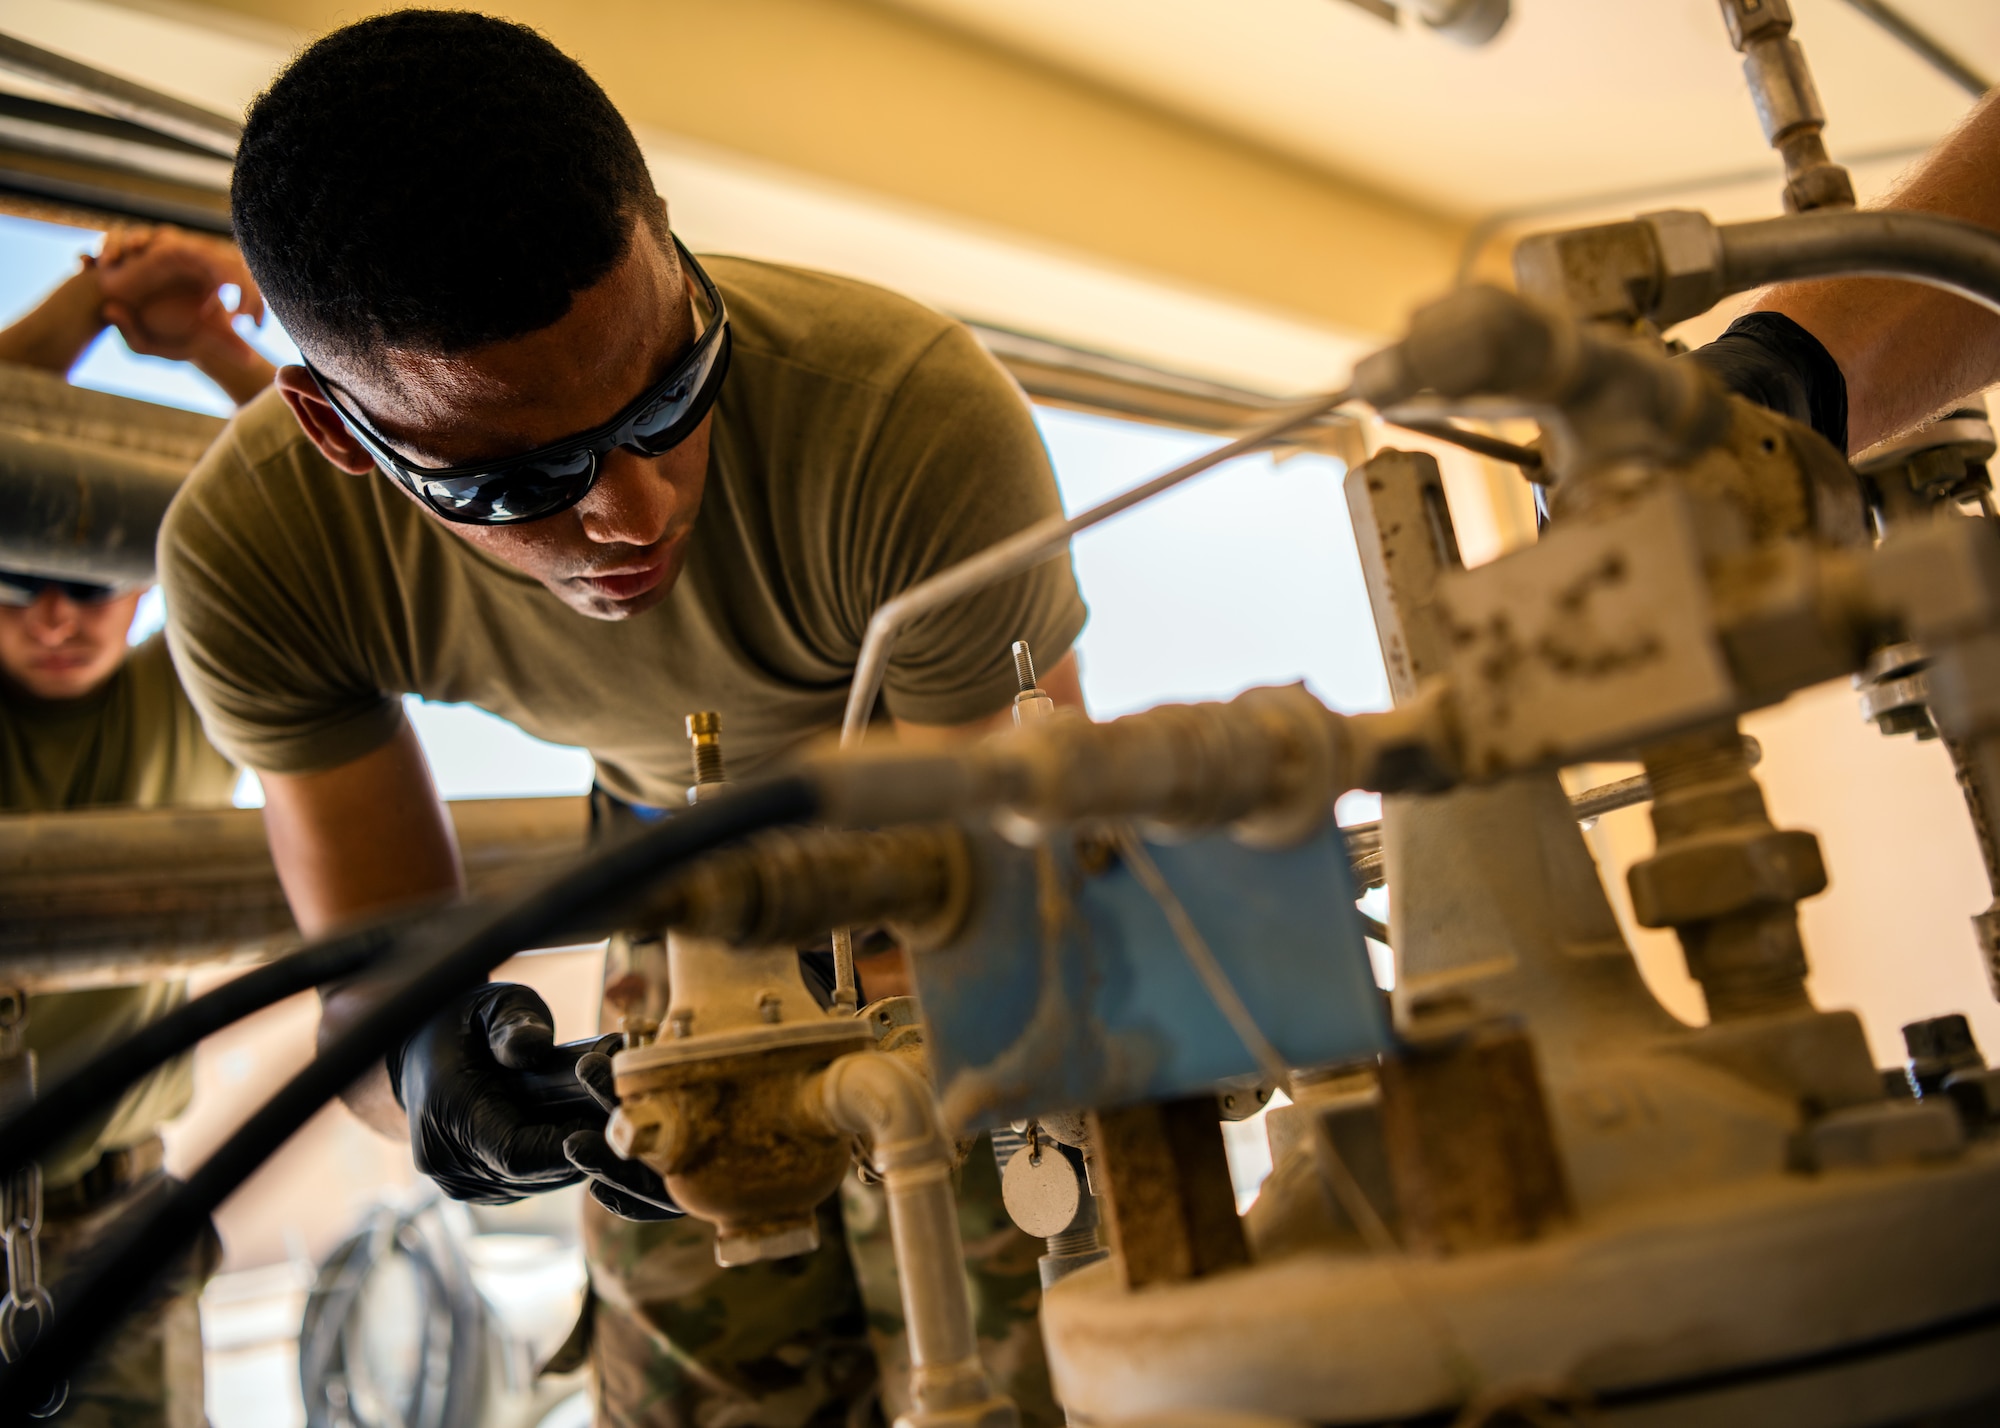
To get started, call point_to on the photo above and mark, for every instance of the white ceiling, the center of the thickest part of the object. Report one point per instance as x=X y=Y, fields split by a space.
x=1575 y=97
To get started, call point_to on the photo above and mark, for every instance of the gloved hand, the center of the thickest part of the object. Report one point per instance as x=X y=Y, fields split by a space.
x=1771 y=360
x=627 y=1188
x=472 y=1128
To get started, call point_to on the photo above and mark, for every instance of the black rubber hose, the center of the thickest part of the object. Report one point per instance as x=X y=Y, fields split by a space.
x=1959 y=257
x=92 y=1302
x=55 y=1112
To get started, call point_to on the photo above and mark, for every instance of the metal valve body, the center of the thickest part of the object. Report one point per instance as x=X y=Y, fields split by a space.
x=720 y=1106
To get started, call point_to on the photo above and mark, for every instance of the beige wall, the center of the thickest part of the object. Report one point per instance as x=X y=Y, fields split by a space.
x=887 y=102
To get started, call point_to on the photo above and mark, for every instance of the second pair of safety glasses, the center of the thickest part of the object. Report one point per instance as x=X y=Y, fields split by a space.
x=540 y=483
x=19 y=590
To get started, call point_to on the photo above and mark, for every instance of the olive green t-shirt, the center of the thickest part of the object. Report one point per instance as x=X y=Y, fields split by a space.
x=134 y=742
x=861 y=443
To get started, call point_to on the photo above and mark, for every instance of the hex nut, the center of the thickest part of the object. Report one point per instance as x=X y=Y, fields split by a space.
x=1690 y=264
x=1718 y=874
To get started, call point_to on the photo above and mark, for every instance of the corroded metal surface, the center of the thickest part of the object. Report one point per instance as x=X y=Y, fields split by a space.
x=100 y=897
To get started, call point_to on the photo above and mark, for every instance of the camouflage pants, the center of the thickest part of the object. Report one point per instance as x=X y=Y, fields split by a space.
x=810 y=1342
x=149 y=1373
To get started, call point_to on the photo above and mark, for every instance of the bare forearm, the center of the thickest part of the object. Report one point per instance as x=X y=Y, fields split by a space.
x=65 y=322
x=1909 y=351
x=354 y=841
x=370 y=1098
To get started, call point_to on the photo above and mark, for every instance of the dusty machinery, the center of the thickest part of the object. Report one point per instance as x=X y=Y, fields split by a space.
x=1517 y=1190
x=1527 y=1194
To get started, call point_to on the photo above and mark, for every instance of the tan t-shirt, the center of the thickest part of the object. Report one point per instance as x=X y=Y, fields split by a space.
x=861 y=443
x=133 y=743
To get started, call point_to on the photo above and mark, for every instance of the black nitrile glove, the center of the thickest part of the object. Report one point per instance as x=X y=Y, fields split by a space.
x=627 y=1188
x=477 y=1125
x=1772 y=361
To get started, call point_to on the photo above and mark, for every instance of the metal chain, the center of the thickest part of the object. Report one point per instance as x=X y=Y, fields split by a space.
x=26 y=1309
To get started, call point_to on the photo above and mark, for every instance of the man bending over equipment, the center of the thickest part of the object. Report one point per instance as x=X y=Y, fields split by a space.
x=542 y=460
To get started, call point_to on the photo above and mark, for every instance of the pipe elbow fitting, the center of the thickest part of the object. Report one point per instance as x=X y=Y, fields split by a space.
x=888 y=1102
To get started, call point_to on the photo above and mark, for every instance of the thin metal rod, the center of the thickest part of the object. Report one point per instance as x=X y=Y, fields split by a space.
x=1525 y=457
x=1929 y=50
x=1029 y=548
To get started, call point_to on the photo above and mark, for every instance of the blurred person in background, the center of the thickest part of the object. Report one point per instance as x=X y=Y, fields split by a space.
x=87 y=721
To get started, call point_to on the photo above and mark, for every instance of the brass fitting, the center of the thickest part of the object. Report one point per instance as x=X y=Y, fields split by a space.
x=704 y=732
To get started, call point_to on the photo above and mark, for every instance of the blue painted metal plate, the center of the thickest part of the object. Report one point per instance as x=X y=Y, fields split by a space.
x=1069 y=990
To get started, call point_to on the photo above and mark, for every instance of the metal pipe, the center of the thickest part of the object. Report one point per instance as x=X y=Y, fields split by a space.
x=1960 y=257
x=1788 y=107
x=1030 y=548
x=122 y=99
x=100 y=897
x=1527 y=458
x=81 y=511
x=889 y=1104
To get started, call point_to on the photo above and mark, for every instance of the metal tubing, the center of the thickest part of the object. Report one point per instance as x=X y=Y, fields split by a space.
x=1527 y=458
x=122 y=99
x=1961 y=258
x=884 y=1100
x=80 y=511
x=1030 y=548
x=99 y=897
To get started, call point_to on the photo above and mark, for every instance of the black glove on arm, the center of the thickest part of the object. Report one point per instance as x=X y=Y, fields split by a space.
x=1772 y=361
x=475 y=1128
x=627 y=1188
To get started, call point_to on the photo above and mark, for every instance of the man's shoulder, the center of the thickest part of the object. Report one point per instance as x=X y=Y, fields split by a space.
x=262 y=476
x=262 y=432
x=820 y=324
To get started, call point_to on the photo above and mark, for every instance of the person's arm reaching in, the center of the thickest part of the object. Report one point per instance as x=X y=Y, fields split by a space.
x=54 y=335
x=352 y=841
x=369 y=836
x=1900 y=352
x=161 y=288
x=162 y=291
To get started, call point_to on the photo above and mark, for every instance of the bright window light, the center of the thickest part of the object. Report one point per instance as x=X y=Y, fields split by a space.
x=36 y=256
x=1247 y=575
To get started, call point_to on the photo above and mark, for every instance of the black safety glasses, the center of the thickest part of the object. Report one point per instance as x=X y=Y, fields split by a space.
x=18 y=591
x=543 y=482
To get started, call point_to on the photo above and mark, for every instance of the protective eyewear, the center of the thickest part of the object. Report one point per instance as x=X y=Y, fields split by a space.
x=19 y=591
x=551 y=479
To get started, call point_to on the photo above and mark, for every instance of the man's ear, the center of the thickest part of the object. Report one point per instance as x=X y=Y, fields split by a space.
x=321 y=423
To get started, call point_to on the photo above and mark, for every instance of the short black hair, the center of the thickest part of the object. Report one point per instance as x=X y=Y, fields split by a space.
x=434 y=181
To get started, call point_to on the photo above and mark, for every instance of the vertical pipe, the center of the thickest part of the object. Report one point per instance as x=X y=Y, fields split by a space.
x=884 y=1100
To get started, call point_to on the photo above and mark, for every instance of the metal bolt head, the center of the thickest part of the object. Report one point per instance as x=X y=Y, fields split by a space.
x=628 y=1136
